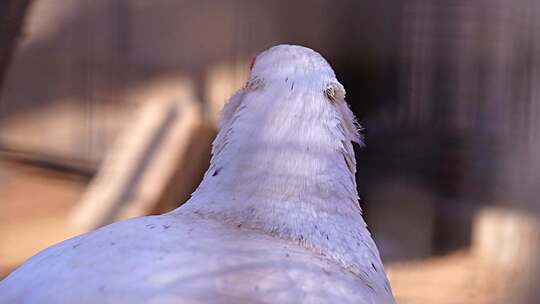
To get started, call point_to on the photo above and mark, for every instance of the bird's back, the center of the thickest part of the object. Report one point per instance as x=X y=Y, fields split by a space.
x=182 y=258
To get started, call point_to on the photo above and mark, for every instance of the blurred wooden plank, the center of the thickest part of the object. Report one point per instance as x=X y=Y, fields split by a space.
x=50 y=161
x=137 y=174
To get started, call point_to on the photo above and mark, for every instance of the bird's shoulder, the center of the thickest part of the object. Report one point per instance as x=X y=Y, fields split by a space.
x=178 y=256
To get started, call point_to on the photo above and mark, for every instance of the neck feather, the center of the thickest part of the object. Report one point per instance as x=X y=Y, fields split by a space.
x=289 y=177
x=280 y=170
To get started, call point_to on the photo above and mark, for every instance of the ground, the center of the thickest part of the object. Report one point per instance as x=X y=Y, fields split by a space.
x=36 y=203
x=34 y=208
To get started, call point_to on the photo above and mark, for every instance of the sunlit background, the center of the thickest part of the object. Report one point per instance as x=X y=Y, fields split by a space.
x=108 y=109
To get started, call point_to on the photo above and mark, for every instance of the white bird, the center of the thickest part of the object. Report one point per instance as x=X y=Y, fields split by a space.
x=275 y=220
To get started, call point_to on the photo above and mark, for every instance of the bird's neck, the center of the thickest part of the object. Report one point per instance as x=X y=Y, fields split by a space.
x=288 y=189
x=280 y=173
x=291 y=182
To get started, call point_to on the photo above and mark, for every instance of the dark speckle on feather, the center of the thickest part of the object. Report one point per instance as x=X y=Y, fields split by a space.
x=75 y=246
x=373 y=265
x=166 y=226
x=292 y=86
x=113 y=243
x=151 y=226
x=216 y=172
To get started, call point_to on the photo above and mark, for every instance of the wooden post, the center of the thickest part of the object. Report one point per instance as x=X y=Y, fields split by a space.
x=12 y=14
x=507 y=241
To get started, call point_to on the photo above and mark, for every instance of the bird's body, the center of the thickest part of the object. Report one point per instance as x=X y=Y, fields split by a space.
x=275 y=220
x=176 y=258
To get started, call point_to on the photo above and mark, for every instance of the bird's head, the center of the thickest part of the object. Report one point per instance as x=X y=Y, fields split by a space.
x=293 y=87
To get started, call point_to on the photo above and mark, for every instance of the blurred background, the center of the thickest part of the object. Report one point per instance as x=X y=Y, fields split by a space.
x=108 y=109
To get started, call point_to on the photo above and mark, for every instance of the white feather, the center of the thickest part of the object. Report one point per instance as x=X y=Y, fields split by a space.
x=275 y=220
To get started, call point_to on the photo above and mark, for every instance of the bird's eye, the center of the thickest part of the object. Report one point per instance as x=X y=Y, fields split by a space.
x=334 y=91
